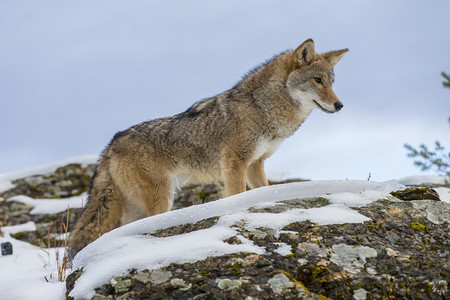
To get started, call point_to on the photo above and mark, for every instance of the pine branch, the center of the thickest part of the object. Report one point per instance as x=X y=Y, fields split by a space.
x=447 y=78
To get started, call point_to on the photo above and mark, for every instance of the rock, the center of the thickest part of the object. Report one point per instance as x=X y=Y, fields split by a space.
x=6 y=248
x=180 y=284
x=398 y=254
x=360 y=294
x=196 y=194
x=280 y=283
x=185 y=228
x=160 y=276
x=101 y=297
x=402 y=252
x=228 y=284
x=122 y=285
x=439 y=286
x=351 y=258
x=64 y=183
x=142 y=276
x=285 y=205
x=61 y=183
x=436 y=212
x=417 y=193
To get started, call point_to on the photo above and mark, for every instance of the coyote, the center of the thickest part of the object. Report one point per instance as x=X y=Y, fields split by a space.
x=223 y=138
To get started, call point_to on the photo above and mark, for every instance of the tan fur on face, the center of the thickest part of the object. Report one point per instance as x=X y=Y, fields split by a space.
x=305 y=68
x=223 y=138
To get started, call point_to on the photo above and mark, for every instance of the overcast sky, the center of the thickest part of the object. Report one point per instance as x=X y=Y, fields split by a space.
x=72 y=73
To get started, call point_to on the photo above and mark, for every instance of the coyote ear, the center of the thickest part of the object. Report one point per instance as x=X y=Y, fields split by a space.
x=305 y=53
x=333 y=57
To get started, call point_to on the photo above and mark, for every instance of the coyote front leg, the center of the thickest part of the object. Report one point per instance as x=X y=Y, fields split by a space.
x=256 y=175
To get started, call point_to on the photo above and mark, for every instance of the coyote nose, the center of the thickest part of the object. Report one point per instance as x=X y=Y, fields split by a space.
x=338 y=106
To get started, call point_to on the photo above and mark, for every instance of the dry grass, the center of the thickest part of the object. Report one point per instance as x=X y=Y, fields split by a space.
x=61 y=258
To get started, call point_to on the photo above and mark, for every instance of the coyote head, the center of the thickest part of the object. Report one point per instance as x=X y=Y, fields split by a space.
x=311 y=77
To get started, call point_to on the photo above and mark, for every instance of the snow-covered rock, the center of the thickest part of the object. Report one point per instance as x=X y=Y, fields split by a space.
x=300 y=239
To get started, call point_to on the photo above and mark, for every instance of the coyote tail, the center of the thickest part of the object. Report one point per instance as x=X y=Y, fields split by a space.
x=100 y=215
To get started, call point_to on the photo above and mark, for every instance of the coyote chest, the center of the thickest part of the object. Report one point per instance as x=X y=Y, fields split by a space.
x=265 y=147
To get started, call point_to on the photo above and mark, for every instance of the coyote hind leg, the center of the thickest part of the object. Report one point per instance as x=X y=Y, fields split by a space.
x=157 y=197
x=235 y=173
x=145 y=197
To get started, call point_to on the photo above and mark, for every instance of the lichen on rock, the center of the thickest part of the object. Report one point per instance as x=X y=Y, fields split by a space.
x=351 y=258
x=417 y=193
x=280 y=283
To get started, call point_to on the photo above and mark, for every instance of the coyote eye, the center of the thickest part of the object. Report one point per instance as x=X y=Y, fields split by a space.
x=318 y=80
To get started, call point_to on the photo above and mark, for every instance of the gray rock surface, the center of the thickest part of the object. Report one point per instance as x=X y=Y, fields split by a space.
x=402 y=252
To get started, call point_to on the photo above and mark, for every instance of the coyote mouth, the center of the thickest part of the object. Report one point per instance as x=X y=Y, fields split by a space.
x=322 y=108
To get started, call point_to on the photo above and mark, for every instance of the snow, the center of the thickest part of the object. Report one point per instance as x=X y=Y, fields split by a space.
x=444 y=193
x=28 y=226
x=283 y=249
x=424 y=179
x=356 y=199
x=129 y=247
x=5 y=185
x=51 y=206
x=22 y=274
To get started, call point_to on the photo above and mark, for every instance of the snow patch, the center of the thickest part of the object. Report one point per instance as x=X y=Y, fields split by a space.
x=8 y=230
x=283 y=249
x=356 y=200
x=444 y=193
x=51 y=206
x=6 y=185
x=22 y=273
x=424 y=179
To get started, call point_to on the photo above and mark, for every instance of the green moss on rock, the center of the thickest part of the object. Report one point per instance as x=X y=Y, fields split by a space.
x=418 y=193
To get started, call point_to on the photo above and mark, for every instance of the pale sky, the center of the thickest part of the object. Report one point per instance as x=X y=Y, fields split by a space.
x=73 y=73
